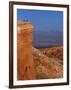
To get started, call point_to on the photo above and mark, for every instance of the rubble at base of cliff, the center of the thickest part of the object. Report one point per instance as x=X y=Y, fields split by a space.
x=47 y=67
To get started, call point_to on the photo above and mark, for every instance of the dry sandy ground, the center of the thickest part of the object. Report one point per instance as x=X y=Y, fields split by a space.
x=33 y=63
x=47 y=67
x=56 y=52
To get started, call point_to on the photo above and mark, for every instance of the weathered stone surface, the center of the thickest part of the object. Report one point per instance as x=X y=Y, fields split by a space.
x=25 y=64
x=46 y=67
x=33 y=63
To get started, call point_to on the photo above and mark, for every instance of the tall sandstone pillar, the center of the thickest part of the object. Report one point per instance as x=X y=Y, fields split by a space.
x=25 y=64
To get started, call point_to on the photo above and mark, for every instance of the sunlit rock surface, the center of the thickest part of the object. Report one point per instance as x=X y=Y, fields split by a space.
x=36 y=63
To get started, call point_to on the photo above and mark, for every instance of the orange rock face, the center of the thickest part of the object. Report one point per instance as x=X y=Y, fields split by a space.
x=25 y=64
x=36 y=63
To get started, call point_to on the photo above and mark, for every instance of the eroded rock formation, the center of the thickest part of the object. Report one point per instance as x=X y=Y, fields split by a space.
x=25 y=64
x=33 y=63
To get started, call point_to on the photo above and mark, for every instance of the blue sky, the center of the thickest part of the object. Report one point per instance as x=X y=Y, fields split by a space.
x=48 y=26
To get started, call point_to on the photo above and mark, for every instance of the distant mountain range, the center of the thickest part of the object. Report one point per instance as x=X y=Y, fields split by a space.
x=47 y=39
